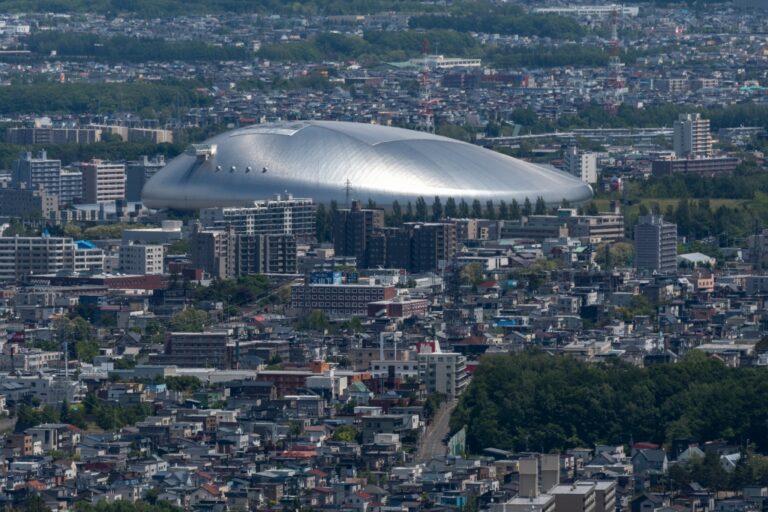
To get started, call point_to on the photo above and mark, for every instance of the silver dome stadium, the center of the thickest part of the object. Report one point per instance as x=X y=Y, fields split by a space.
x=318 y=159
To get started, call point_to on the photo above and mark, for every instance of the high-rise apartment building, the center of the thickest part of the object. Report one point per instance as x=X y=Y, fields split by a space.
x=576 y=497
x=199 y=350
x=141 y=259
x=22 y=201
x=40 y=172
x=138 y=173
x=214 y=251
x=353 y=229
x=281 y=215
x=443 y=372
x=691 y=138
x=70 y=186
x=655 y=245
x=432 y=245
x=103 y=181
x=266 y=254
x=25 y=256
x=581 y=164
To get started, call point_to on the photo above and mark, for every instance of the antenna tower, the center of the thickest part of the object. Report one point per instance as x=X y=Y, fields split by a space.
x=425 y=92
x=347 y=191
x=616 y=80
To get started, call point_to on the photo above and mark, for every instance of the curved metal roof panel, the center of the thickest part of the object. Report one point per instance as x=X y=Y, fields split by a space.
x=317 y=158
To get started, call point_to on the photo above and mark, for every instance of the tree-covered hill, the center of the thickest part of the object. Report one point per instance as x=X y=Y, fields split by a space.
x=543 y=402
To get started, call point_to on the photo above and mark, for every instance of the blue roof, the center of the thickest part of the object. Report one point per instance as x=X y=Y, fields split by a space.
x=84 y=244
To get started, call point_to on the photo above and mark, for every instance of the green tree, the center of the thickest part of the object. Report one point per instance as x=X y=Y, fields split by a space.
x=188 y=320
x=503 y=210
x=316 y=320
x=514 y=210
x=421 y=209
x=527 y=208
x=541 y=206
x=345 y=433
x=463 y=209
x=472 y=274
x=477 y=209
x=397 y=214
x=437 y=209
x=451 y=210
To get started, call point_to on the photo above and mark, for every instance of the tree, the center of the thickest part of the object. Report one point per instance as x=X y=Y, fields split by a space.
x=86 y=350
x=503 y=210
x=437 y=210
x=477 y=209
x=189 y=320
x=26 y=417
x=541 y=206
x=183 y=383
x=315 y=321
x=397 y=214
x=34 y=503
x=463 y=209
x=408 y=217
x=490 y=210
x=514 y=210
x=527 y=208
x=179 y=247
x=421 y=209
x=345 y=433
x=451 y=210
x=322 y=229
x=501 y=406
x=472 y=274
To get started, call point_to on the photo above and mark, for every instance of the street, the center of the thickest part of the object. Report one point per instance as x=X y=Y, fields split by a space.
x=431 y=443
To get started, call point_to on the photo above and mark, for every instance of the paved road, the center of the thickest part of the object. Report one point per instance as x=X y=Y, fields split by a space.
x=431 y=443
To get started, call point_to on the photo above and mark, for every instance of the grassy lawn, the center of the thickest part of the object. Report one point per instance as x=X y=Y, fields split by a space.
x=603 y=204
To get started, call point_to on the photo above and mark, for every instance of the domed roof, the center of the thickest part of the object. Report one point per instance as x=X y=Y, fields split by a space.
x=318 y=158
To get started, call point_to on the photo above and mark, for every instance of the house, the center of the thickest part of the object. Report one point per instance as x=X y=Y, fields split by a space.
x=647 y=502
x=730 y=461
x=649 y=461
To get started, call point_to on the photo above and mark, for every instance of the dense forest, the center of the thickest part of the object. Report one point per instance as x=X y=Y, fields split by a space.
x=506 y=20
x=727 y=208
x=72 y=153
x=78 y=98
x=537 y=401
x=129 y=49
x=379 y=47
x=154 y=8
x=373 y=47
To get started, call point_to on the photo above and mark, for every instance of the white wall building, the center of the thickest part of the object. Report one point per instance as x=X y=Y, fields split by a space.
x=23 y=256
x=141 y=259
x=691 y=138
x=103 y=181
x=442 y=372
x=581 y=164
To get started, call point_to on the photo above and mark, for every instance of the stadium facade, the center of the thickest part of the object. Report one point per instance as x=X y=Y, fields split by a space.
x=322 y=159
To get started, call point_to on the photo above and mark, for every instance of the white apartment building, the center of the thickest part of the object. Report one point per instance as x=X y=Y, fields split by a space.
x=141 y=259
x=592 y=11
x=50 y=389
x=103 y=181
x=443 y=372
x=690 y=137
x=281 y=215
x=88 y=258
x=23 y=256
x=581 y=164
